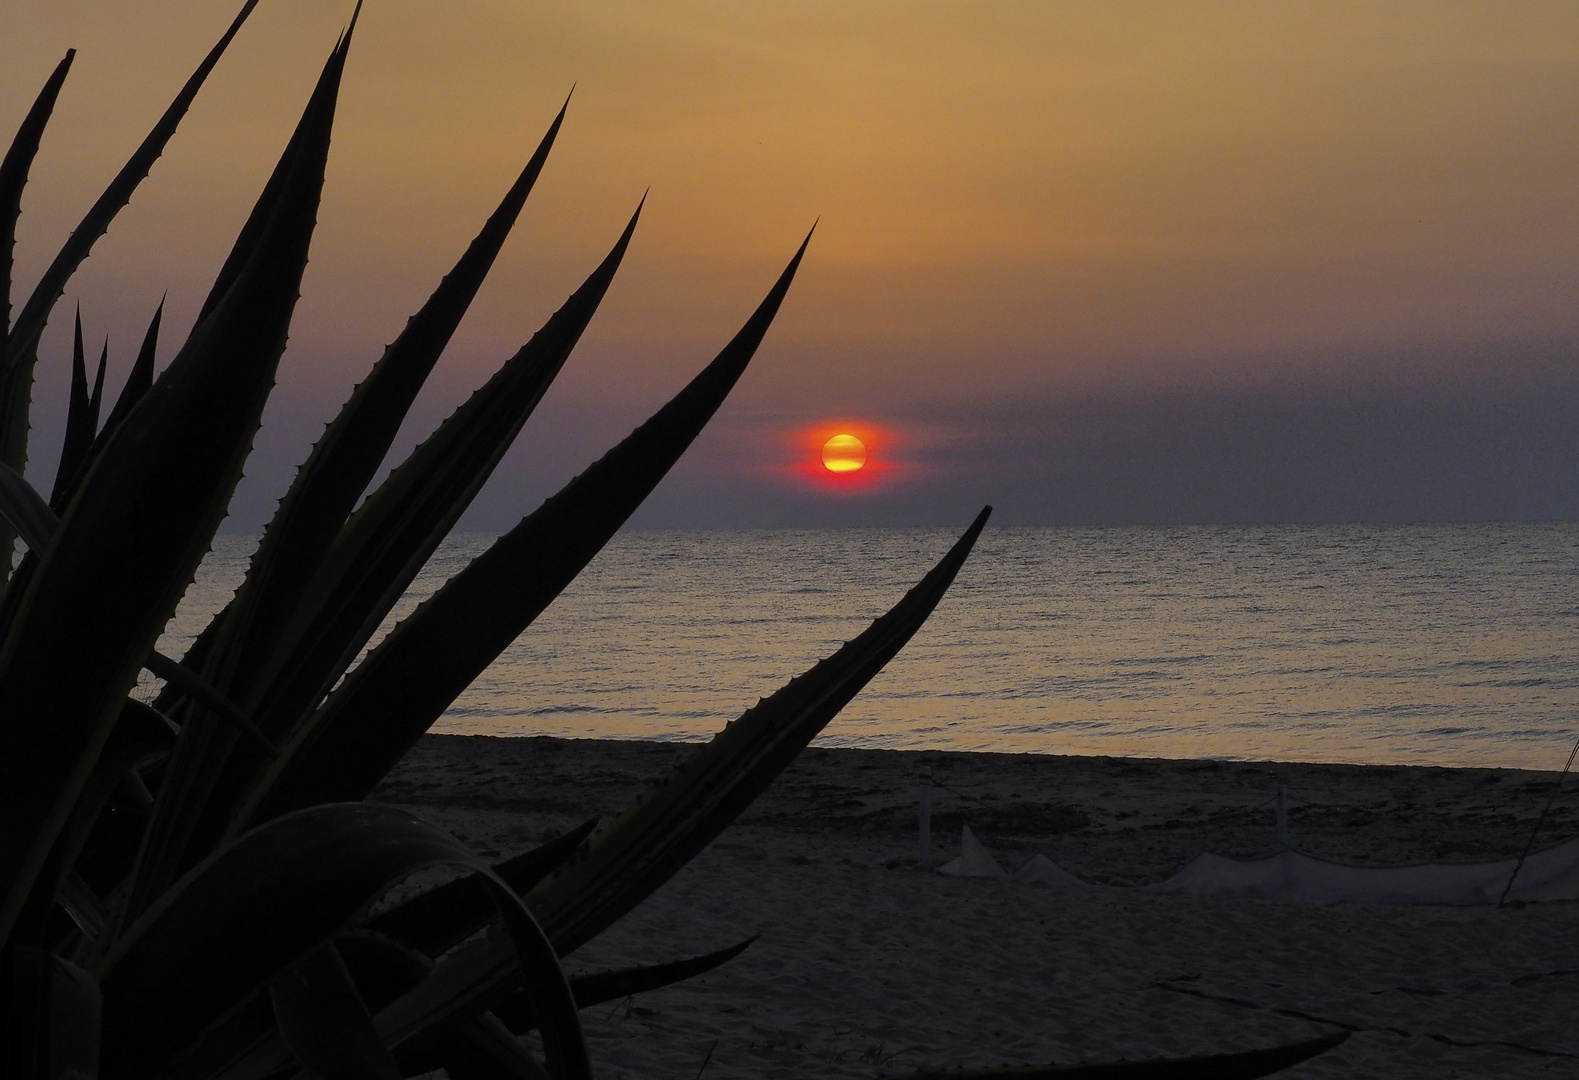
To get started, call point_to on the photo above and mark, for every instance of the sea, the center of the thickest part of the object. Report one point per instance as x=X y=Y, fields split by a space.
x=1418 y=645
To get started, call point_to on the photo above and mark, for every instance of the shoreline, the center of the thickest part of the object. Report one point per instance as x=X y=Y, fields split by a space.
x=1101 y=810
x=867 y=966
x=1557 y=755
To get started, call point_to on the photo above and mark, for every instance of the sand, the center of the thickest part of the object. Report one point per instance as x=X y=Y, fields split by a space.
x=869 y=964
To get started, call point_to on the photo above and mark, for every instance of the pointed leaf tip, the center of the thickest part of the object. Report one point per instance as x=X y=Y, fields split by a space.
x=98 y=383
x=781 y=287
x=345 y=38
x=81 y=420
x=137 y=382
x=630 y=229
x=14 y=169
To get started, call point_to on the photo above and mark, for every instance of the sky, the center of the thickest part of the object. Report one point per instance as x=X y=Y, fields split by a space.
x=1099 y=263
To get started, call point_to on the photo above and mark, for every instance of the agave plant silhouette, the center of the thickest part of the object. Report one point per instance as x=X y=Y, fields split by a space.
x=185 y=886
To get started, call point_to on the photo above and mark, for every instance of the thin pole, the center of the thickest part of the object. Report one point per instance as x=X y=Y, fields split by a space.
x=1503 y=899
x=705 y=1060
x=1282 y=816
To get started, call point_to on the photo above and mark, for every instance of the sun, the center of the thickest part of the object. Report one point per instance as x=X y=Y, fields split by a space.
x=843 y=454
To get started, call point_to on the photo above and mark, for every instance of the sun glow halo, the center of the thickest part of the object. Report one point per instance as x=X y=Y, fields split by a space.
x=843 y=454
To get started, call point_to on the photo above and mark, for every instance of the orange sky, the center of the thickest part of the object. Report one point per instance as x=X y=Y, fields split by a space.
x=1018 y=200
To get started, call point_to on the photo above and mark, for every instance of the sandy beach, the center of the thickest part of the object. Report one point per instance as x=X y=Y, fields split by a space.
x=870 y=964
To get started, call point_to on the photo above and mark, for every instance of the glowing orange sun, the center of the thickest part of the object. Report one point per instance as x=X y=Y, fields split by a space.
x=843 y=454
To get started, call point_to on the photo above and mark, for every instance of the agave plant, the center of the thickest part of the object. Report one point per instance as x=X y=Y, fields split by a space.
x=187 y=886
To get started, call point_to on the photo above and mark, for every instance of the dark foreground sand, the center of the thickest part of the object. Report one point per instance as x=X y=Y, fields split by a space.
x=870 y=965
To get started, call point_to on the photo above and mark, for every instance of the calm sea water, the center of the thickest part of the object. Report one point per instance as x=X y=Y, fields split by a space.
x=1439 y=644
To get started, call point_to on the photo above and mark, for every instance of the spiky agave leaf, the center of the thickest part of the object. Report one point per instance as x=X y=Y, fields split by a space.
x=25 y=511
x=286 y=890
x=35 y=530
x=601 y=986
x=514 y=1011
x=596 y=988
x=82 y=417
x=432 y=921
x=138 y=381
x=654 y=838
x=36 y=524
x=106 y=856
x=224 y=373
x=390 y=537
x=250 y=1046
x=346 y=457
x=257 y=640
x=198 y=689
x=384 y=969
x=82 y=424
x=91 y=612
x=481 y=1047
x=667 y=827
x=21 y=349
x=1246 y=1065
x=384 y=706
x=380 y=969
x=18 y=162
x=96 y=399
